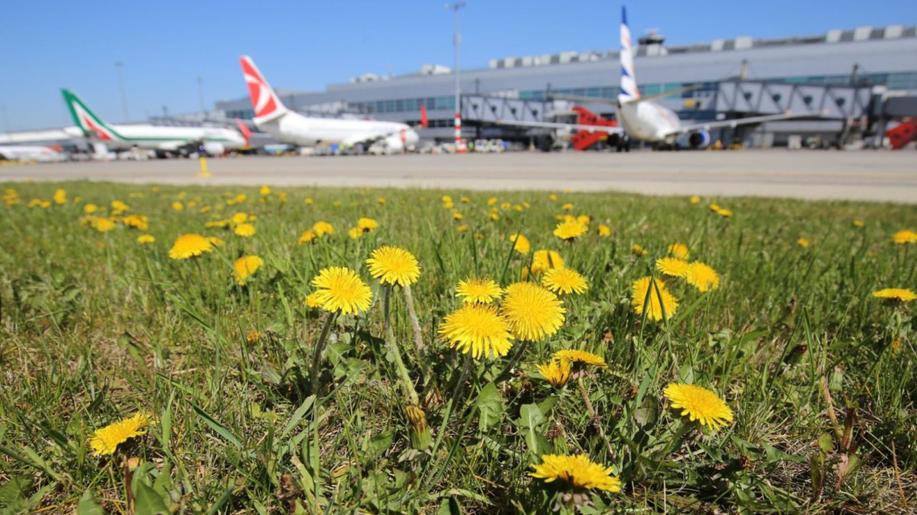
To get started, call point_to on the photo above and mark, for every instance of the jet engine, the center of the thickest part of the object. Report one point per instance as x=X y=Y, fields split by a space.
x=698 y=140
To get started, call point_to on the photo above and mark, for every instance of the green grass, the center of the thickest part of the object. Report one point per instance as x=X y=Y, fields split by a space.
x=94 y=327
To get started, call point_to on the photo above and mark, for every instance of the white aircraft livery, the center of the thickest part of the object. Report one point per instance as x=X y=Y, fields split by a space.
x=162 y=139
x=272 y=116
x=644 y=119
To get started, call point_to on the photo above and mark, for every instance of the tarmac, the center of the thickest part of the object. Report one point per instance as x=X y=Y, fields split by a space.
x=848 y=175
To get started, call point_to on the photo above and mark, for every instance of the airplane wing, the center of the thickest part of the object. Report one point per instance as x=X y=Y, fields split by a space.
x=564 y=126
x=51 y=136
x=740 y=121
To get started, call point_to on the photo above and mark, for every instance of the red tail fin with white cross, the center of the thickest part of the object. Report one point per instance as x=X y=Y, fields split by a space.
x=265 y=103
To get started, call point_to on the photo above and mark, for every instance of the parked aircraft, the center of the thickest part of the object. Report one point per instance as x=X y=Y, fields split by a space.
x=291 y=127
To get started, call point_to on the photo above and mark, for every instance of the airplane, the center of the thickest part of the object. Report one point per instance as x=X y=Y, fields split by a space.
x=291 y=127
x=38 y=153
x=642 y=118
x=161 y=139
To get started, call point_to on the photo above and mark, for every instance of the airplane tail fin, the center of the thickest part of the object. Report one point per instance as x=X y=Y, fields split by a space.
x=265 y=102
x=245 y=131
x=88 y=121
x=629 y=91
x=424 y=120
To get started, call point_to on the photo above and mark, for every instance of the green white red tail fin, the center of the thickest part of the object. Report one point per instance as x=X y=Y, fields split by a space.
x=88 y=122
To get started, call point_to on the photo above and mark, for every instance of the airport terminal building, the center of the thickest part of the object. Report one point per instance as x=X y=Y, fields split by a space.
x=841 y=70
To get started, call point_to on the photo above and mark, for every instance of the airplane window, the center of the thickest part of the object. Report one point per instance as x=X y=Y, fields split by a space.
x=776 y=97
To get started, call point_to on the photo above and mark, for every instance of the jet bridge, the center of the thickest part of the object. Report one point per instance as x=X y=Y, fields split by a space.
x=485 y=109
x=833 y=102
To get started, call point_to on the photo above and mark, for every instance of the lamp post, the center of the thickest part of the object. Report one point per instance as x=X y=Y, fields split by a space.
x=456 y=43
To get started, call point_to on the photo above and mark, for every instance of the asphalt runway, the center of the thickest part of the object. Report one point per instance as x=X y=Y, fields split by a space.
x=856 y=175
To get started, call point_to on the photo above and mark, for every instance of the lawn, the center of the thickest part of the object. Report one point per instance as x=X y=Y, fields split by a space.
x=240 y=396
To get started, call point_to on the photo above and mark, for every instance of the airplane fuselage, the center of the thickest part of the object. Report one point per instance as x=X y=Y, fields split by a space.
x=648 y=121
x=302 y=130
x=159 y=137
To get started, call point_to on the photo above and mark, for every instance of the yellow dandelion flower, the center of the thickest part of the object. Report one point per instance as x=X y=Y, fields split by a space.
x=218 y=224
x=905 y=237
x=477 y=330
x=702 y=276
x=341 y=289
x=569 y=230
x=895 y=294
x=654 y=309
x=244 y=267
x=679 y=250
x=461 y=228
x=190 y=245
x=103 y=224
x=355 y=233
x=380 y=201
x=803 y=242
x=458 y=216
x=322 y=228
x=307 y=236
x=393 y=265
x=119 y=207
x=555 y=372
x=637 y=250
x=578 y=472
x=136 y=221
x=146 y=239
x=105 y=441
x=695 y=199
x=699 y=404
x=544 y=260
x=479 y=291
x=244 y=230
x=603 y=231
x=522 y=245
x=564 y=281
x=178 y=206
x=313 y=300
x=491 y=201
x=60 y=197
x=367 y=224
x=579 y=356
x=672 y=266
x=90 y=208
x=264 y=190
x=534 y=313
x=239 y=217
x=567 y=207
x=859 y=223
x=308 y=201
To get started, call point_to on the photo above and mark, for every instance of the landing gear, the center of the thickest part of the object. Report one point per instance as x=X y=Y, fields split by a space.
x=623 y=144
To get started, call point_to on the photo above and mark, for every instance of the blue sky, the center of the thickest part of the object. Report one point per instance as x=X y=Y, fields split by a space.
x=47 y=45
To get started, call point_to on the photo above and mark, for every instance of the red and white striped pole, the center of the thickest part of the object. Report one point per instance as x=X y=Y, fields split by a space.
x=459 y=143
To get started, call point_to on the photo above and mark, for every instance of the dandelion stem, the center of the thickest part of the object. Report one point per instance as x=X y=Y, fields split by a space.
x=415 y=322
x=394 y=354
x=509 y=257
x=596 y=422
x=317 y=354
x=513 y=361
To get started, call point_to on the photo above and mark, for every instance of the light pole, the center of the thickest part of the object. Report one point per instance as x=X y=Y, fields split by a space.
x=119 y=67
x=456 y=43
